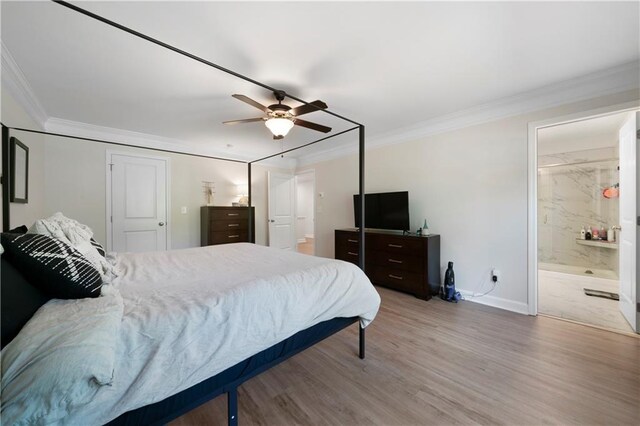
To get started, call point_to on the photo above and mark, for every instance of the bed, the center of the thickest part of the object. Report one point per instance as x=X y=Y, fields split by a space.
x=319 y=298
x=197 y=323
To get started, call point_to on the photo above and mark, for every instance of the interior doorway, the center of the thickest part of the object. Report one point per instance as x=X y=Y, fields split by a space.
x=585 y=208
x=281 y=207
x=137 y=212
x=305 y=212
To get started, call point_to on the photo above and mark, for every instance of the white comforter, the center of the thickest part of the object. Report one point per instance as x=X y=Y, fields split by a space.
x=190 y=314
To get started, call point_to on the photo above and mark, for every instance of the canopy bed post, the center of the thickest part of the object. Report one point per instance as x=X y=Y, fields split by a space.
x=251 y=236
x=5 y=178
x=232 y=406
x=361 y=253
x=361 y=191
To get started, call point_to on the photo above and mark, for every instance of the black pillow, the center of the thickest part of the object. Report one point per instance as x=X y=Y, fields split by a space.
x=53 y=266
x=22 y=229
x=99 y=247
x=20 y=300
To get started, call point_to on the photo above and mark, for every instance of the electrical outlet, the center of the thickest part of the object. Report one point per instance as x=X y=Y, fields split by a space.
x=495 y=275
x=183 y=210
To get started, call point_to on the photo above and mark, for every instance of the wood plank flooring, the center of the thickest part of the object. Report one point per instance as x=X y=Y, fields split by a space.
x=441 y=363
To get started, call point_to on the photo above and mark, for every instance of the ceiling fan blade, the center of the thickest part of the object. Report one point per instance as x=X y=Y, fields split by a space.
x=246 y=120
x=305 y=109
x=312 y=126
x=251 y=102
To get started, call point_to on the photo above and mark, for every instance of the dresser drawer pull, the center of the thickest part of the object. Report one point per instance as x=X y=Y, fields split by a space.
x=394 y=261
x=231 y=225
x=352 y=253
x=234 y=236
x=233 y=214
x=353 y=241
x=395 y=277
x=394 y=245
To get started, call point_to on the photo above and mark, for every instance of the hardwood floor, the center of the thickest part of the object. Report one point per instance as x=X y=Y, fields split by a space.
x=306 y=247
x=442 y=363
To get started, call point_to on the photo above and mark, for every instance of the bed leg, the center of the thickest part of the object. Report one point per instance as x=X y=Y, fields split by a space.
x=361 y=354
x=232 y=407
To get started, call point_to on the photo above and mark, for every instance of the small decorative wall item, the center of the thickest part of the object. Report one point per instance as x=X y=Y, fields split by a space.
x=19 y=166
x=612 y=191
x=209 y=189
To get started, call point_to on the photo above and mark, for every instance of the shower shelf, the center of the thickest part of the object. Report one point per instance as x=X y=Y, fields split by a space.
x=598 y=243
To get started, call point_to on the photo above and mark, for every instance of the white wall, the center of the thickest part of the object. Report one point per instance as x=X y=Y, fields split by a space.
x=471 y=186
x=75 y=173
x=304 y=207
x=13 y=115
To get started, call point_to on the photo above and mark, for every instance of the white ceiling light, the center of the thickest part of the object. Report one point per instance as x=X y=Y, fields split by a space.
x=279 y=126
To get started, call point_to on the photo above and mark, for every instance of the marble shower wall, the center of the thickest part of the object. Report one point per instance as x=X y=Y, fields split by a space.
x=570 y=197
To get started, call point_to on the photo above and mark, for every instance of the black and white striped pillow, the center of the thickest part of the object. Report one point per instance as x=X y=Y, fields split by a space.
x=55 y=267
x=101 y=251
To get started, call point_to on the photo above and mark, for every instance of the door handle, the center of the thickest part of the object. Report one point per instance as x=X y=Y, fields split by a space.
x=271 y=220
x=161 y=223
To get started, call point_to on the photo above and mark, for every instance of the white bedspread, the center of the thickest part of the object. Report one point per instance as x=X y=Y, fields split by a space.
x=190 y=314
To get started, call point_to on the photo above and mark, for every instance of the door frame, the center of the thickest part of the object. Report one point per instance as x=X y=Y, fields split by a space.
x=108 y=209
x=311 y=172
x=532 y=186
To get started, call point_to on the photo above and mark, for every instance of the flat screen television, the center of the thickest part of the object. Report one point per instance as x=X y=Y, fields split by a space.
x=385 y=210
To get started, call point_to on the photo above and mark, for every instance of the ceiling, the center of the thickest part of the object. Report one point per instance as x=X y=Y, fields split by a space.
x=386 y=65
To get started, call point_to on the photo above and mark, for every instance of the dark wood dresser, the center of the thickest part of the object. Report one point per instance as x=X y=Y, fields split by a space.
x=222 y=225
x=408 y=263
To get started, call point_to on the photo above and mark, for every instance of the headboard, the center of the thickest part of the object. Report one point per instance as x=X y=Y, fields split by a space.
x=19 y=300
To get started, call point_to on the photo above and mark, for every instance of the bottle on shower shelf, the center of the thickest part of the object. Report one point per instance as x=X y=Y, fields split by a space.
x=611 y=235
x=595 y=233
x=583 y=233
x=587 y=235
x=603 y=233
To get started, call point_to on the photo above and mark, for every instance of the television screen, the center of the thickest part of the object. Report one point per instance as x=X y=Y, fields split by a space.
x=386 y=210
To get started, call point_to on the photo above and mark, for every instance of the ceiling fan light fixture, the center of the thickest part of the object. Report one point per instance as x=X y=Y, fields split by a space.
x=279 y=126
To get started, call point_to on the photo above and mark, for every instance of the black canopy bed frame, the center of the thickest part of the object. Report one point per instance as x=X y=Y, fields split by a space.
x=228 y=380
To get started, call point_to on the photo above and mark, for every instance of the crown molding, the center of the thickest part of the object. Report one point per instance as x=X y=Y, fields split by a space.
x=613 y=80
x=15 y=82
x=111 y=134
x=127 y=137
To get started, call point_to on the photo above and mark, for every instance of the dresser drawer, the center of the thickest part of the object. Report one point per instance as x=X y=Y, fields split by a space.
x=221 y=237
x=348 y=239
x=229 y=225
x=399 y=260
x=401 y=245
x=350 y=254
x=229 y=214
x=398 y=279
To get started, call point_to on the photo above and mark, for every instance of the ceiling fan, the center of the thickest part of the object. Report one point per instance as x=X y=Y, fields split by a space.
x=280 y=118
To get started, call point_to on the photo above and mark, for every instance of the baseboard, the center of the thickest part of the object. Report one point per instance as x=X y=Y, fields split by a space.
x=496 y=302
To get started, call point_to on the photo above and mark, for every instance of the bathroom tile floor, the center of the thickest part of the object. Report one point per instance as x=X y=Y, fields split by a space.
x=561 y=295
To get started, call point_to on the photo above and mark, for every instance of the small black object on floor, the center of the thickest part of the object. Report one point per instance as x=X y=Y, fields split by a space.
x=603 y=294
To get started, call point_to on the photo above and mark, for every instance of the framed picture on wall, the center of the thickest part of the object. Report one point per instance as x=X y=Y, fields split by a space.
x=19 y=166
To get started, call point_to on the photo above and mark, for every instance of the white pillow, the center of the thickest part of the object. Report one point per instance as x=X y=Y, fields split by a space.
x=60 y=359
x=76 y=235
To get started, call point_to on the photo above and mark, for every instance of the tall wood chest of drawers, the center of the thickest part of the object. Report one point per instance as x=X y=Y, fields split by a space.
x=222 y=225
x=408 y=263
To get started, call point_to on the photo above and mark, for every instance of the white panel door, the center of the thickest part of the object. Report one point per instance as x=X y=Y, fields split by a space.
x=281 y=211
x=628 y=233
x=138 y=203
